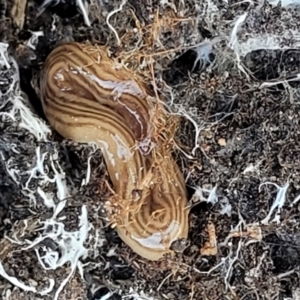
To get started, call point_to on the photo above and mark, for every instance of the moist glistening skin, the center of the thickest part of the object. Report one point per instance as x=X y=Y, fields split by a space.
x=87 y=97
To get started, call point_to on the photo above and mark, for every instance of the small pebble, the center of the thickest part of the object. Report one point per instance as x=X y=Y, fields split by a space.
x=222 y=142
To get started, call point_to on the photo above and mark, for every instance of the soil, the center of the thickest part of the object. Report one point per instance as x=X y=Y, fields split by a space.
x=235 y=78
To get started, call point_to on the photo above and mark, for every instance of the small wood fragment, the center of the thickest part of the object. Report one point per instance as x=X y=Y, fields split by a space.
x=18 y=12
x=252 y=231
x=210 y=247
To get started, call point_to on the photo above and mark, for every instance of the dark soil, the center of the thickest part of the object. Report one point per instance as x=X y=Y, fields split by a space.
x=249 y=135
